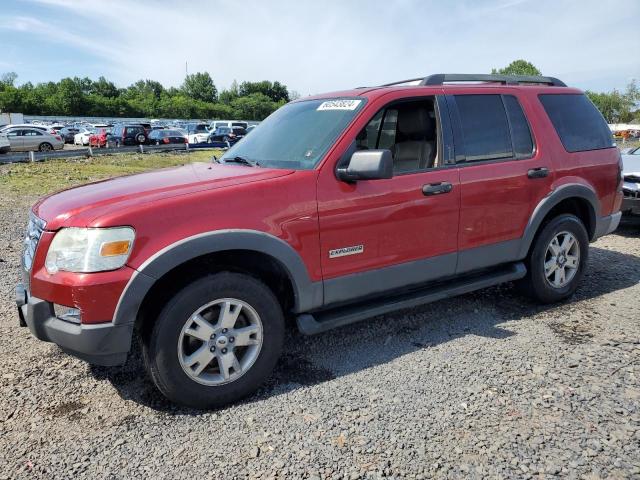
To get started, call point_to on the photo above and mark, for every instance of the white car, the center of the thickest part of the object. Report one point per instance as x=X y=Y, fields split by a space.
x=82 y=137
x=631 y=185
x=198 y=132
x=28 y=125
x=5 y=146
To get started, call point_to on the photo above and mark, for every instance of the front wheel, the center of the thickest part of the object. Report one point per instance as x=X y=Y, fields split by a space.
x=216 y=341
x=557 y=260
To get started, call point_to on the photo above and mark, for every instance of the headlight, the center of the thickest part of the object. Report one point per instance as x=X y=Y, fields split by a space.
x=85 y=250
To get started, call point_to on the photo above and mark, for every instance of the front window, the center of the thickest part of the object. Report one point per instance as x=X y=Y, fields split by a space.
x=298 y=134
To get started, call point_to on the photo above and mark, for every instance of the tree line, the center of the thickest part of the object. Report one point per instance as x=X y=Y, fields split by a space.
x=615 y=106
x=197 y=97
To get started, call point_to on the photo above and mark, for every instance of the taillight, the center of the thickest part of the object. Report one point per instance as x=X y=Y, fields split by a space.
x=232 y=135
x=186 y=140
x=620 y=172
x=58 y=137
x=165 y=140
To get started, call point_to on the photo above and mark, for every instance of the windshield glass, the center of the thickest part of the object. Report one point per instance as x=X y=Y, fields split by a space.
x=298 y=134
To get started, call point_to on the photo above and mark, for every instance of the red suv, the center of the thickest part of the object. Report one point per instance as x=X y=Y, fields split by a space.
x=338 y=208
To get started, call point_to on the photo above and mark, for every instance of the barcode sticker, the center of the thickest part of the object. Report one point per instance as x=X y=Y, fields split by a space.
x=339 y=105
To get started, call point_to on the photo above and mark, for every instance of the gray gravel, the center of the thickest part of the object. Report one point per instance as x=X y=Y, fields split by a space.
x=485 y=385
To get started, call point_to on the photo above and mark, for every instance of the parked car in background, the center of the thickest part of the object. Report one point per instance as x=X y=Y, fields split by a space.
x=99 y=138
x=27 y=125
x=168 y=136
x=250 y=129
x=226 y=136
x=228 y=123
x=82 y=137
x=631 y=185
x=31 y=139
x=198 y=132
x=5 y=146
x=68 y=134
x=127 y=134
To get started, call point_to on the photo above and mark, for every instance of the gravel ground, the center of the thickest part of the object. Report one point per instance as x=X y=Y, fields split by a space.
x=485 y=385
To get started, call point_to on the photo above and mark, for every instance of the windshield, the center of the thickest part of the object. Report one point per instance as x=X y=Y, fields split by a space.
x=298 y=134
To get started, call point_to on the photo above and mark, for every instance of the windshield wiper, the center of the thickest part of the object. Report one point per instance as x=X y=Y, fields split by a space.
x=242 y=161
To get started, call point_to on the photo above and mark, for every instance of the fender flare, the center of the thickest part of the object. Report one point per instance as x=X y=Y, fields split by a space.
x=564 y=192
x=307 y=294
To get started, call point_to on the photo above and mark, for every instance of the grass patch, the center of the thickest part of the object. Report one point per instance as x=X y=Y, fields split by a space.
x=51 y=175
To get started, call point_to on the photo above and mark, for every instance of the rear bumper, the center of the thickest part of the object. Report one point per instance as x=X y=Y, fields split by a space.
x=607 y=224
x=99 y=344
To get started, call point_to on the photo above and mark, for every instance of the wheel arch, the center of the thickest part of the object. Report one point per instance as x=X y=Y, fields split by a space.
x=247 y=251
x=576 y=199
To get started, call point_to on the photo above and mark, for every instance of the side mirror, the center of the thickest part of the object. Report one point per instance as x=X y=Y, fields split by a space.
x=367 y=165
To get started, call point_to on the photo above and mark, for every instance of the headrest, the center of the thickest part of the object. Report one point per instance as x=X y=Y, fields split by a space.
x=414 y=123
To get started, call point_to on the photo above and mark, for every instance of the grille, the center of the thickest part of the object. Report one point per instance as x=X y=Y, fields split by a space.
x=34 y=232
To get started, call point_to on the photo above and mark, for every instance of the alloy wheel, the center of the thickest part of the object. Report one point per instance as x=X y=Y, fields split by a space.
x=562 y=259
x=220 y=341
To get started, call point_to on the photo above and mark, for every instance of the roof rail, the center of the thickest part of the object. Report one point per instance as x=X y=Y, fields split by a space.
x=441 y=78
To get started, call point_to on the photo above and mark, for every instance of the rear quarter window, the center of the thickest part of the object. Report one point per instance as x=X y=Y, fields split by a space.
x=577 y=121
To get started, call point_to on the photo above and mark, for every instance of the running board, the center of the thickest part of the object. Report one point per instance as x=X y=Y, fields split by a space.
x=314 y=323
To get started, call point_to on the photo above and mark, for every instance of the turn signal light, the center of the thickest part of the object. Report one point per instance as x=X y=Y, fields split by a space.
x=112 y=249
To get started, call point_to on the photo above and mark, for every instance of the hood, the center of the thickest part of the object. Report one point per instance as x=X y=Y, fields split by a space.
x=122 y=192
x=631 y=165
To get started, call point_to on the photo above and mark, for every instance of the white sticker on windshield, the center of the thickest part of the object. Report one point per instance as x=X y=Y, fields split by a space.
x=339 y=105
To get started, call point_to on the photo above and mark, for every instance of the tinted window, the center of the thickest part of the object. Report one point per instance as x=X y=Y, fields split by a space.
x=134 y=130
x=520 y=133
x=485 y=129
x=577 y=121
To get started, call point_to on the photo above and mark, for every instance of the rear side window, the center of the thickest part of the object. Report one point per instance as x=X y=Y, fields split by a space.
x=485 y=128
x=520 y=133
x=577 y=121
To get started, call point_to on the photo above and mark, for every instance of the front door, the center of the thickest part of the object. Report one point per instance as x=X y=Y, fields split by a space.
x=15 y=139
x=381 y=235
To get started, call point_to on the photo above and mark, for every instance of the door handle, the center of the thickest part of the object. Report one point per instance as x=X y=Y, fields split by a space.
x=539 y=172
x=436 y=188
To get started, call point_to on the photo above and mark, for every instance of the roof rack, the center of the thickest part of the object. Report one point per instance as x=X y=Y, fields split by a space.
x=441 y=78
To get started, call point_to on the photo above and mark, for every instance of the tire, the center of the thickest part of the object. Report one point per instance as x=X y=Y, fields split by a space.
x=169 y=348
x=141 y=138
x=546 y=284
x=45 y=147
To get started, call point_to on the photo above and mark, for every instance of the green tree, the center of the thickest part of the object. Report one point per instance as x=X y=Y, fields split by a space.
x=229 y=95
x=616 y=106
x=8 y=79
x=274 y=90
x=518 y=67
x=200 y=86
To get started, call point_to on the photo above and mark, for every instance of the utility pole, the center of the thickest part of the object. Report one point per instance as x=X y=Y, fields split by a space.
x=186 y=69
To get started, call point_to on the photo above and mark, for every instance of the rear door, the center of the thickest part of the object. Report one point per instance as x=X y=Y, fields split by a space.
x=503 y=175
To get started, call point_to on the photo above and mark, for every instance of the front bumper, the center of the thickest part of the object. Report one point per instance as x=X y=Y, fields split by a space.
x=99 y=344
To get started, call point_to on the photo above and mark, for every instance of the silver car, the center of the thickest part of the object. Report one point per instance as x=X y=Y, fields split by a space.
x=23 y=139
x=631 y=186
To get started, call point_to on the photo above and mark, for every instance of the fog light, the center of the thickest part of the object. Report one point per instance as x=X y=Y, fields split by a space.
x=68 y=314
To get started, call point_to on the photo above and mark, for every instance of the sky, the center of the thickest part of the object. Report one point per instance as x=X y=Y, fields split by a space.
x=318 y=46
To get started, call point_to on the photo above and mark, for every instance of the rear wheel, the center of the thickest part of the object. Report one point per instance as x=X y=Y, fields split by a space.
x=557 y=260
x=45 y=147
x=215 y=341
